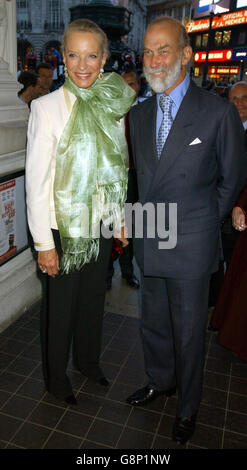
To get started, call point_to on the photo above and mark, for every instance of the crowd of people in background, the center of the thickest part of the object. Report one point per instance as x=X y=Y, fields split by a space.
x=52 y=65
x=128 y=61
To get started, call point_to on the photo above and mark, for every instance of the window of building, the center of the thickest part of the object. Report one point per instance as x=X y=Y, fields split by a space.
x=218 y=38
x=198 y=41
x=54 y=13
x=177 y=13
x=205 y=40
x=22 y=4
x=226 y=37
x=22 y=9
x=242 y=37
x=187 y=10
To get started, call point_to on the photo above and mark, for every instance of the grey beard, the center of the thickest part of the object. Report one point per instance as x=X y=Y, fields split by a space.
x=159 y=85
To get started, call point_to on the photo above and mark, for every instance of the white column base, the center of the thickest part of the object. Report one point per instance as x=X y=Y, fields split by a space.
x=20 y=287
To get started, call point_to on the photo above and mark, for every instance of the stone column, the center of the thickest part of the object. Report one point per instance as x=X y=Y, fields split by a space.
x=20 y=287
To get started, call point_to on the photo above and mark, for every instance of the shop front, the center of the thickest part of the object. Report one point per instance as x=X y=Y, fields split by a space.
x=219 y=43
x=224 y=67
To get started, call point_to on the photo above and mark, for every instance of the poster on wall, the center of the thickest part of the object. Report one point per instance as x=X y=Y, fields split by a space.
x=13 y=222
x=202 y=7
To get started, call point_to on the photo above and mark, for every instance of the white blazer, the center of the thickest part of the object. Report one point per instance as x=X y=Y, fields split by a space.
x=48 y=117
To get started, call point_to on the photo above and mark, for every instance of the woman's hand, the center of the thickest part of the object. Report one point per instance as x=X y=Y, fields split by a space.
x=122 y=235
x=238 y=219
x=48 y=262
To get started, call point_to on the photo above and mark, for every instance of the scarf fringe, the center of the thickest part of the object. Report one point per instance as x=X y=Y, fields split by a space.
x=79 y=251
x=74 y=261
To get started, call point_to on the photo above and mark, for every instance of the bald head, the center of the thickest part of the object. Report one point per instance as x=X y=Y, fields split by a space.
x=182 y=35
x=238 y=96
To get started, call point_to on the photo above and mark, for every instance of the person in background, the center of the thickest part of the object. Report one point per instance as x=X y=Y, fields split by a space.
x=126 y=254
x=229 y=315
x=31 y=59
x=51 y=59
x=238 y=96
x=31 y=87
x=19 y=66
x=76 y=161
x=45 y=73
x=199 y=169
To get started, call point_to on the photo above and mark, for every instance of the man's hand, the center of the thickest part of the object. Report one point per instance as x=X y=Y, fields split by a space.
x=238 y=219
x=48 y=262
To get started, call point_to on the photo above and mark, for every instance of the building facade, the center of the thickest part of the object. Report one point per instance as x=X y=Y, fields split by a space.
x=219 y=41
x=40 y=24
x=138 y=12
x=179 y=9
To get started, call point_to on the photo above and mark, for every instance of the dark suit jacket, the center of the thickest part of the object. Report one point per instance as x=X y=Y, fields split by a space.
x=204 y=180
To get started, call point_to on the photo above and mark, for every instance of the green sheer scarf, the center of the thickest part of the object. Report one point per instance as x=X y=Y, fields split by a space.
x=91 y=168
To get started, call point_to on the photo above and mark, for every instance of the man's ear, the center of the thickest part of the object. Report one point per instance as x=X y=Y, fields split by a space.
x=186 y=55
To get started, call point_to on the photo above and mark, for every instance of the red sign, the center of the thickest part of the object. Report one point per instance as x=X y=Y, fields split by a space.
x=197 y=25
x=213 y=56
x=222 y=21
x=224 y=70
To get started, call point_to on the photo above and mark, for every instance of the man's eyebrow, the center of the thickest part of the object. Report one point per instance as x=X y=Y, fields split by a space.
x=159 y=48
x=163 y=47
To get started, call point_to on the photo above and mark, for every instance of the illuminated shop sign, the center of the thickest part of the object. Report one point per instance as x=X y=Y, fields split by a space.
x=223 y=21
x=239 y=54
x=224 y=70
x=213 y=56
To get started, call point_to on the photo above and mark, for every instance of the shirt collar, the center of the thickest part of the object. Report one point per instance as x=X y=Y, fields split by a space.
x=245 y=125
x=179 y=92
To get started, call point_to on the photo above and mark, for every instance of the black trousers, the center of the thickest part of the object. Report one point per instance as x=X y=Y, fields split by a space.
x=125 y=261
x=73 y=311
x=173 y=326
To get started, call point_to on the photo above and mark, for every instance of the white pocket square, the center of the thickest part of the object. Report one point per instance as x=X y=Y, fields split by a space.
x=196 y=141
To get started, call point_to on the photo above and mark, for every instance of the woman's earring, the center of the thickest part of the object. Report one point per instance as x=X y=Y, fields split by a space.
x=101 y=74
x=65 y=70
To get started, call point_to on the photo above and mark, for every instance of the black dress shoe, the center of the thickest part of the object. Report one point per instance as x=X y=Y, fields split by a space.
x=183 y=429
x=71 y=400
x=147 y=394
x=131 y=280
x=103 y=381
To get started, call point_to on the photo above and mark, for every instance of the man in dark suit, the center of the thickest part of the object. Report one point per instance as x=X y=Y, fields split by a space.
x=188 y=150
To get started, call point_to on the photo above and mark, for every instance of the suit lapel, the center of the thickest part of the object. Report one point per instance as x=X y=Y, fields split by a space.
x=148 y=135
x=180 y=132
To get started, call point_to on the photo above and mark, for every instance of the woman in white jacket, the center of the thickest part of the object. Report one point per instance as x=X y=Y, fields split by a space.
x=76 y=179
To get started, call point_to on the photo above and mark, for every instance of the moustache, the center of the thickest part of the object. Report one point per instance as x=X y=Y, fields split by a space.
x=153 y=71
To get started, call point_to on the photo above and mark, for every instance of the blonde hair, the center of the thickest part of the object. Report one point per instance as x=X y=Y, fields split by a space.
x=86 y=26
